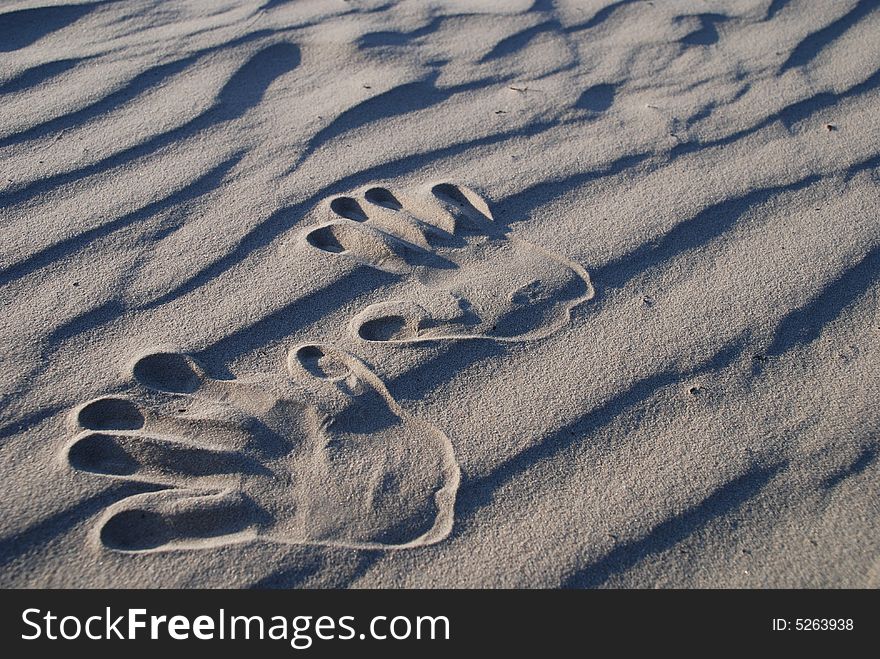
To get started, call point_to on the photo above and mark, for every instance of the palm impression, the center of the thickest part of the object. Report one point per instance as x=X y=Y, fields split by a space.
x=320 y=454
x=458 y=274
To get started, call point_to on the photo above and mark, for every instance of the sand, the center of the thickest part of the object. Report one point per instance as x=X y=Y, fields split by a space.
x=448 y=293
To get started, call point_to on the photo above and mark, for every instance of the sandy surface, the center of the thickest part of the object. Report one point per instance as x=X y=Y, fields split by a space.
x=440 y=293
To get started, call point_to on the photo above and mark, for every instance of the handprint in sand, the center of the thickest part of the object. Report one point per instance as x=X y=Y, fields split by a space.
x=456 y=273
x=318 y=454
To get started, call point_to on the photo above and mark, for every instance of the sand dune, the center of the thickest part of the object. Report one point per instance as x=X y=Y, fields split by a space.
x=451 y=293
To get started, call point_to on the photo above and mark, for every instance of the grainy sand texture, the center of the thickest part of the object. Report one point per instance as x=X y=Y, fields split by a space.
x=440 y=293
